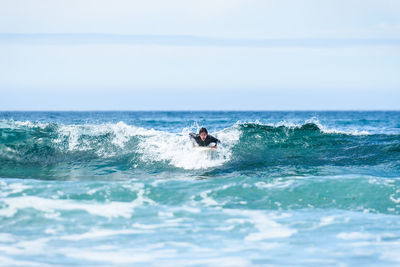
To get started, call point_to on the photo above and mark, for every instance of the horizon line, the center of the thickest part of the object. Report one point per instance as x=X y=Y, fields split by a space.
x=187 y=40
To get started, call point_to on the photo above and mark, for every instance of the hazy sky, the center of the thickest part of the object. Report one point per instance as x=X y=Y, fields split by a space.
x=179 y=55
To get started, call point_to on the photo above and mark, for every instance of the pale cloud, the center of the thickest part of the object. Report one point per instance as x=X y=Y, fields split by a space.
x=207 y=67
x=222 y=18
x=388 y=27
x=290 y=54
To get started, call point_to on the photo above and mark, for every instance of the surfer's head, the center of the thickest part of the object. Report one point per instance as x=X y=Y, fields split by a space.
x=203 y=133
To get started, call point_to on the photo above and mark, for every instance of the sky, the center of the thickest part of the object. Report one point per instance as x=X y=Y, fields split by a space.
x=199 y=55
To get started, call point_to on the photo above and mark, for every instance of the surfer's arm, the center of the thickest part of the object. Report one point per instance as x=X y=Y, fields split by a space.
x=214 y=140
x=194 y=139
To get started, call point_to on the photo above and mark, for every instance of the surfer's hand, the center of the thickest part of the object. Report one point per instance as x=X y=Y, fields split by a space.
x=214 y=147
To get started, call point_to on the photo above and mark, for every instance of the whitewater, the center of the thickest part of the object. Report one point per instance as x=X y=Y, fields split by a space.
x=127 y=188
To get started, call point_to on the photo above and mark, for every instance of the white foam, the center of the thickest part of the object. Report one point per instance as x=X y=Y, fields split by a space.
x=147 y=226
x=327 y=220
x=324 y=129
x=99 y=233
x=267 y=228
x=36 y=246
x=7 y=212
x=177 y=149
x=13 y=188
x=391 y=254
x=395 y=200
x=166 y=223
x=349 y=132
x=109 y=210
x=354 y=236
x=52 y=231
x=53 y=215
x=278 y=183
x=4 y=237
x=5 y=261
x=165 y=214
x=118 y=256
x=206 y=199
x=154 y=145
x=115 y=257
x=29 y=124
x=188 y=209
x=225 y=228
x=120 y=134
x=392 y=197
x=93 y=191
x=141 y=199
x=27 y=247
x=335 y=131
x=223 y=261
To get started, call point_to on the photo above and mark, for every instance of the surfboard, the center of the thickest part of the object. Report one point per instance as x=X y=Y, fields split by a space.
x=205 y=148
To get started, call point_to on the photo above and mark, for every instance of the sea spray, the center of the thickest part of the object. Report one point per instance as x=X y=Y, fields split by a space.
x=127 y=188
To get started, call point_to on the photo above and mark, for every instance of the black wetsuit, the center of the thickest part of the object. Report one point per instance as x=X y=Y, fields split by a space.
x=209 y=139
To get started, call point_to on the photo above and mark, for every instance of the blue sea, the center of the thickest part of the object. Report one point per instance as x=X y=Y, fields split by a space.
x=128 y=189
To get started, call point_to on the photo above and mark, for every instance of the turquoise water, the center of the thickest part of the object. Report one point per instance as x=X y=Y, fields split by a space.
x=127 y=188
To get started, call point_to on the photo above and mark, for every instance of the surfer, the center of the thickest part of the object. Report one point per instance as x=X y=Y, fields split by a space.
x=204 y=139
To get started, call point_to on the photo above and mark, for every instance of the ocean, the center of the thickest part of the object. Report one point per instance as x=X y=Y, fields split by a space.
x=307 y=188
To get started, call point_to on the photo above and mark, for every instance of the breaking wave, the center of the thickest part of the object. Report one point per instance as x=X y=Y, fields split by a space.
x=28 y=147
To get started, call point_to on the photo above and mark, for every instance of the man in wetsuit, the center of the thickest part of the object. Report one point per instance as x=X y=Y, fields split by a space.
x=203 y=139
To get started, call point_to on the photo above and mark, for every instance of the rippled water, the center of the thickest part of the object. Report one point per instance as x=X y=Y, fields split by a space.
x=127 y=188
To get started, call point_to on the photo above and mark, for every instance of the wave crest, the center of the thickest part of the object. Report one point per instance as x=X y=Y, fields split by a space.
x=122 y=147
